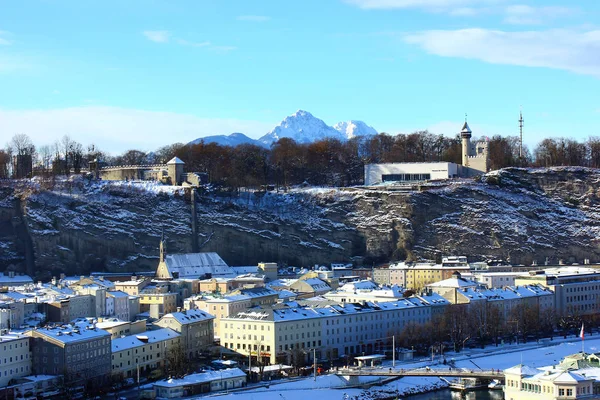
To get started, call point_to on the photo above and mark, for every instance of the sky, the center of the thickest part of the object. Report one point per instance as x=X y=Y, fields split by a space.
x=146 y=73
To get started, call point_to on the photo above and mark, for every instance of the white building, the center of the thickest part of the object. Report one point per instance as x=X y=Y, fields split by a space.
x=576 y=289
x=14 y=357
x=554 y=382
x=204 y=382
x=496 y=279
x=333 y=330
x=119 y=303
x=353 y=292
x=409 y=172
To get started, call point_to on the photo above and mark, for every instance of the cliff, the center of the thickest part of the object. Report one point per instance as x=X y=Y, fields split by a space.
x=520 y=214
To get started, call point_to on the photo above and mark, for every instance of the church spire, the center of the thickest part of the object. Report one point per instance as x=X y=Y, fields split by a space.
x=162 y=247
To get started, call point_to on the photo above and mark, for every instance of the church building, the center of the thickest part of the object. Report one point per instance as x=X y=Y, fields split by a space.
x=191 y=265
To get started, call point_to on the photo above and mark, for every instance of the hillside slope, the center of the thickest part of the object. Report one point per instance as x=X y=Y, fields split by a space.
x=520 y=214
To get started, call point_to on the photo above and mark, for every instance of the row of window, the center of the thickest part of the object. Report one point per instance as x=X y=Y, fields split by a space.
x=10 y=359
x=8 y=372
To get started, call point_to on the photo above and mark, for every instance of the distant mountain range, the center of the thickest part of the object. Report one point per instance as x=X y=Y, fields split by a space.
x=302 y=126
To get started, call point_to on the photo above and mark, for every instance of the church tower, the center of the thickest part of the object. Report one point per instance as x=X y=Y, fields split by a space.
x=465 y=136
x=162 y=248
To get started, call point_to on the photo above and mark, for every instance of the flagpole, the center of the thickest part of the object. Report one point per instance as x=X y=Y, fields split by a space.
x=582 y=336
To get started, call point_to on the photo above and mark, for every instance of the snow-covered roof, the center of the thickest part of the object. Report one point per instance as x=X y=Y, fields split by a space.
x=117 y=293
x=69 y=334
x=203 y=377
x=189 y=316
x=16 y=280
x=303 y=312
x=129 y=342
x=286 y=294
x=522 y=370
x=194 y=265
x=453 y=282
x=110 y=323
x=175 y=160
x=362 y=285
x=465 y=128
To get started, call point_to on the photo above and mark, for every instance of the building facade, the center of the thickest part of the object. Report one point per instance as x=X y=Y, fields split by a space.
x=79 y=353
x=195 y=327
x=332 y=331
x=15 y=361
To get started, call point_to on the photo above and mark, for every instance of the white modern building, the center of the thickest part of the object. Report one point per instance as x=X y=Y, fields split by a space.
x=376 y=174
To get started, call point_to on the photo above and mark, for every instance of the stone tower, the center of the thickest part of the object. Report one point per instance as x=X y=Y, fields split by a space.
x=175 y=170
x=465 y=136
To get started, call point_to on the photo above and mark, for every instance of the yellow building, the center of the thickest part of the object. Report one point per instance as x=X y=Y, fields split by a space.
x=417 y=276
x=148 y=351
x=165 y=303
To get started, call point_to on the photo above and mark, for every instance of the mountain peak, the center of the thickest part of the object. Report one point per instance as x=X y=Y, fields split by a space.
x=303 y=127
x=354 y=128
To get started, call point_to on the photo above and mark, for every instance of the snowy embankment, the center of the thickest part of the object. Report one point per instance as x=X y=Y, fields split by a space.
x=333 y=387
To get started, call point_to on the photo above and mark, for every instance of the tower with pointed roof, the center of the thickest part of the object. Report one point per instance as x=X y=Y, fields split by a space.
x=465 y=136
x=175 y=170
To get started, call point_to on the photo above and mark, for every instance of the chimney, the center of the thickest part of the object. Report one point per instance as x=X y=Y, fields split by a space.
x=62 y=276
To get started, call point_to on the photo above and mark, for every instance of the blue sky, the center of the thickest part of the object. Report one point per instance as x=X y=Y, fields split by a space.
x=141 y=74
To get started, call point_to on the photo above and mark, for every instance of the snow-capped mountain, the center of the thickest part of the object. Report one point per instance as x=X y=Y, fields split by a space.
x=353 y=128
x=303 y=127
x=232 y=140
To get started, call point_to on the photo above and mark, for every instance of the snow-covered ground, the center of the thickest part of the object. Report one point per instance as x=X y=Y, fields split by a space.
x=333 y=387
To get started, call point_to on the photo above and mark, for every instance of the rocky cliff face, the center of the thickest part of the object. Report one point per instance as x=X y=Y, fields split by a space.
x=520 y=214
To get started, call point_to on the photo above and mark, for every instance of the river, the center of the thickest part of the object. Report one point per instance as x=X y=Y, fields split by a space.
x=447 y=395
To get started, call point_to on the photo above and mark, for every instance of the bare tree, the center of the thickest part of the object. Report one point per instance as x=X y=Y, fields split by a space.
x=21 y=144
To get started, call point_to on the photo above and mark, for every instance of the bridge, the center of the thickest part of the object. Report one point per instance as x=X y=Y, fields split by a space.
x=440 y=373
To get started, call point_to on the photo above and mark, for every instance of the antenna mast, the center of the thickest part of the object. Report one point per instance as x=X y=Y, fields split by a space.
x=521 y=135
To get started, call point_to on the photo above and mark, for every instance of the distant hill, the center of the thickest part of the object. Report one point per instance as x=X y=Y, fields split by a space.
x=301 y=126
x=233 y=140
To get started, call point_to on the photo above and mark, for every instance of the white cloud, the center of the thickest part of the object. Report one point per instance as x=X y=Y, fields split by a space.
x=157 y=36
x=560 y=49
x=193 y=44
x=521 y=14
x=116 y=129
x=454 y=7
x=253 y=18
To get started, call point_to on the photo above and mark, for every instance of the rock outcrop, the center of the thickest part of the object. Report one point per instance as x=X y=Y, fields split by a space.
x=523 y=215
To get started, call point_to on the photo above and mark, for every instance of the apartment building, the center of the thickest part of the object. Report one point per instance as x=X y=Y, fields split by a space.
x=15 y=361
x=418 y=275
x=576 y=289
x=232 y=303
x=333 y=330
x=195 y=327
x=146 y=351
x=133 y=286
x=158 y=303
x=496 y=279
x=80 y=353
x=117 y=305
x=358 y=291
x=119 y=328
